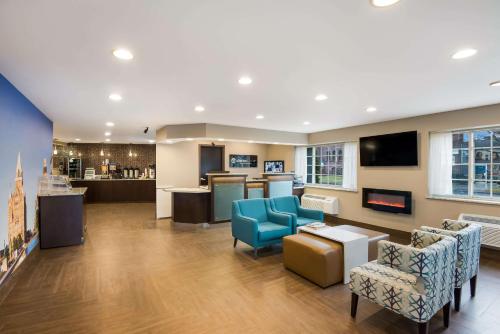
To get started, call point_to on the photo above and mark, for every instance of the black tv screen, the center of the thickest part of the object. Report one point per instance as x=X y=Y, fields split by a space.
x=395 y=149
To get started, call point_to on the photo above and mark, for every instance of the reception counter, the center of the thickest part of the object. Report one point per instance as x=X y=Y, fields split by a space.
x=214 y=203
x=118 y=190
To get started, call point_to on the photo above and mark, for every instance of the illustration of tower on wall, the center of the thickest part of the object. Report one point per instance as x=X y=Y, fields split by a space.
x=17 y=211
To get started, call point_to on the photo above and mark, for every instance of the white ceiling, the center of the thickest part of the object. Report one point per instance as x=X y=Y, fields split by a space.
x=189 y=52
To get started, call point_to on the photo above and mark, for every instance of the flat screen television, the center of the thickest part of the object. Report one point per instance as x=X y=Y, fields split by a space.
x=395 y=149
x=276 y=166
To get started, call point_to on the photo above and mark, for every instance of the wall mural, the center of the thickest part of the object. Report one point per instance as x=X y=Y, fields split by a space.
x=26 y=145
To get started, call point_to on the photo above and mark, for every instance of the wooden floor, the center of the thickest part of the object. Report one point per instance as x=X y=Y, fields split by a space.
x=138 y=275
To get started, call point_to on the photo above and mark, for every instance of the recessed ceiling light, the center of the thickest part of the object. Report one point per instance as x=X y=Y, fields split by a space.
x=151 y=141
x=199 y=108
x=115 y=97
x=371 y=109
x=307 y=123
x=107 y=139
x=245 y=81
x=383 y=3
x=77 y=139
x=259 y=116
x=107 y=134
x=110 y=124
x=123 y=54
x=464 y=53
x=321 y=97
x=221 y=139
x=275 y=143
x=170 y=141
x=250 y=141
x=495 y=84
x=189 y=139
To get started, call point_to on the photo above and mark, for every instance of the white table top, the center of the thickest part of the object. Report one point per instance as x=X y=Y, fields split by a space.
x=333 y=233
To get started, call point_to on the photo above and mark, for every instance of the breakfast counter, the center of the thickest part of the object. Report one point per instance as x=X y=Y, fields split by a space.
x=118 y=190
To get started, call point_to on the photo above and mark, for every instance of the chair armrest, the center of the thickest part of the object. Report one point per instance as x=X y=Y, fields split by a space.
x=279 y=218
x=245 y=228
x=310 y=213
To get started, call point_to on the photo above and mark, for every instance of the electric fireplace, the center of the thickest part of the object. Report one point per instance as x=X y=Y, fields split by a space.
x=394 y=201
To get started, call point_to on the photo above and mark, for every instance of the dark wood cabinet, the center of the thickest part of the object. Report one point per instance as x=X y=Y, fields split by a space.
x=116 y=191
x=61 y=219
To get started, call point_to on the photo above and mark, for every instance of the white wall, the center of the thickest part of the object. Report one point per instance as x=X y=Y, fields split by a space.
x=178 y=164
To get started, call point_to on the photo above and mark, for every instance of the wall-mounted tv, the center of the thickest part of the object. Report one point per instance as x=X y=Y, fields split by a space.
x=276 y=166
x=395 y=149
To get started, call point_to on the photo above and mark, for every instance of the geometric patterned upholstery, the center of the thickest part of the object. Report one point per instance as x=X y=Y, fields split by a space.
x=415 y=281
x=468 y=236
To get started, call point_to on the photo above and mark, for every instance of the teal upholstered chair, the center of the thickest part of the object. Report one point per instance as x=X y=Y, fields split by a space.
x=254 y=223
x=300 y=216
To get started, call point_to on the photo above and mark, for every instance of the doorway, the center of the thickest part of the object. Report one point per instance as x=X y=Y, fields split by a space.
x=211 y=160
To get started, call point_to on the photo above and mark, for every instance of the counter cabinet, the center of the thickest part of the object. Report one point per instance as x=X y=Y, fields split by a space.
x=116 y=191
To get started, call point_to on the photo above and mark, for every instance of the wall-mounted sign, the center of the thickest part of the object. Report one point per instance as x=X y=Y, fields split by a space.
x=242 y=161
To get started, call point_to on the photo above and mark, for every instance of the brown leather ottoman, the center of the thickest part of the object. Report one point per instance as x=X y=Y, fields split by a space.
x=318 y=259
x=373 y=238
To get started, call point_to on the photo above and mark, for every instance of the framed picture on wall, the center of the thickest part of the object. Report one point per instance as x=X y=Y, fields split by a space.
x=274 y=166
x=242 y=161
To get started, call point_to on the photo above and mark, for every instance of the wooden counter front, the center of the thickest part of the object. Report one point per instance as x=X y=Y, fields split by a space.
x=191 y=207
x=116 y=191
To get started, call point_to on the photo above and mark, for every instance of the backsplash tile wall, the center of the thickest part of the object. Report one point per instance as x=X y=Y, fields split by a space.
x=118 y=153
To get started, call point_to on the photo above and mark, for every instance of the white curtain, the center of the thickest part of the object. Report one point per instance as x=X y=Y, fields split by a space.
x=301 y=162
x=349 y=180
x=440 y=163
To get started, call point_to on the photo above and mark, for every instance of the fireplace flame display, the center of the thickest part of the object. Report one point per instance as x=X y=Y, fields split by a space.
x=393 y=201
x=387 y=200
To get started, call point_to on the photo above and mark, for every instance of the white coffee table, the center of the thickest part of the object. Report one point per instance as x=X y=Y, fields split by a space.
x=355 y=245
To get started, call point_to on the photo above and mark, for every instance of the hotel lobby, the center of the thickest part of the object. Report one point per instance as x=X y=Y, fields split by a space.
x=252 y=167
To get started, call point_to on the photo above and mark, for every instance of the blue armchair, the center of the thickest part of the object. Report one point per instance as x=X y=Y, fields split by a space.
x=291 y=206
x=254 y=223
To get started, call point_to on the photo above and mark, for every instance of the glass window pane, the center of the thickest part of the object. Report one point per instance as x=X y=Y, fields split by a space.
x=317 y=169
x=324 y=160
x=482 y=188
x=461 y=140
x=460 y=172
x=317 y=161
x=460 y=188
x=339 y=179
x=482 y=138
x=309 y=169
x=460 y=156
x=482 y=172
x=331 y=170
x=482 y=155
x=496 y=155
x=309 y=160
x=309 y=178
x=340 y=159
x=340 y=149
x=317 y=150
x=318 y=179
x=496 y=189
x=496 y=138
x=331 y=159
x=309 y=151
x=496 y=172
x=323 y=170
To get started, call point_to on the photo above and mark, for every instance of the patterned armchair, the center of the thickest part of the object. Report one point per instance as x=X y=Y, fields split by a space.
x=468 y=236
x=415 y=281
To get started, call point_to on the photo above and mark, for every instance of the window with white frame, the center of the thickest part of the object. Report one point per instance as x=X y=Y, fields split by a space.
x=465 y=164
x=332 y=165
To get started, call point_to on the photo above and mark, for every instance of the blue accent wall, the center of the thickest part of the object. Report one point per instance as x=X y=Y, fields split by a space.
x=24 y=130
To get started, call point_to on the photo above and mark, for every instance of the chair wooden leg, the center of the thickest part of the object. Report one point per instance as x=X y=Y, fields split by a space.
x=458 y=296
x=473 y=282
x=354 y=304
x=255 y=253
x=446 y=314
x=423 y=327
x=235 y=241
